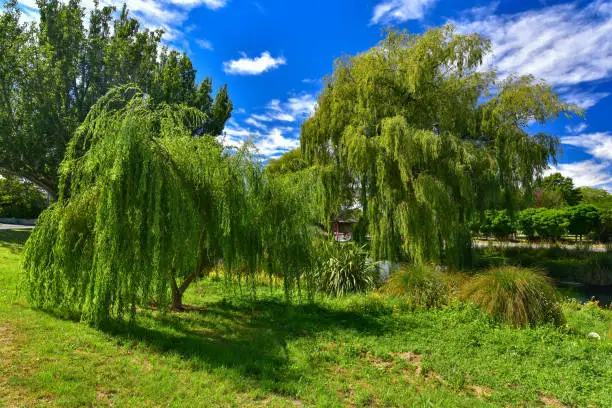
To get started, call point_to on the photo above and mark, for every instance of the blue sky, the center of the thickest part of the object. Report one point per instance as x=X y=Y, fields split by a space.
x=273 y=54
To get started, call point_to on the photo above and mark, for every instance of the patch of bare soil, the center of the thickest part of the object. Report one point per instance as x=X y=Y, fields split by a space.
x=480 y=390
x=551 y=402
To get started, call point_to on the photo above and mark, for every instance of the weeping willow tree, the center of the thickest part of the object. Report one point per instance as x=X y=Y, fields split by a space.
x=429 y=138
x=145 y=209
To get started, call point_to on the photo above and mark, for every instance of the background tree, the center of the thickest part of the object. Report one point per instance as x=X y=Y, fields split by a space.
x=289 y=162
x=20 y=199
x=415 y=124
x=556 y=191
x=526 y=222
x=595 y=196
x=498 y=224
x=53 y=72
x=550 y=224
x=583 y=219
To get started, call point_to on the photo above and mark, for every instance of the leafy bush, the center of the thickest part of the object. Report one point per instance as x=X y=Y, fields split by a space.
x=498 y=224
x=526 y=221
x=345 y=268
x=550 y=224
x=582 y=219
x=421 y=286
x=20 y=199
x=517 y=296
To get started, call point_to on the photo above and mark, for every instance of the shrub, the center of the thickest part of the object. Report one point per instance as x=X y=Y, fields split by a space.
x=517 y=296
x=526 y=222
x=550 y=224
x=583 y=219
x=345 y=268
x=19 y=199
x=498 y=224
x=421 y=286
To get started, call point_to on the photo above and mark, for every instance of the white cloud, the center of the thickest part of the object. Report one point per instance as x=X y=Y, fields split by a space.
x=269 y=144
x=585 y=100
x=254 y=122
x=588 y=173
x=205 y=45
x=576 y=129
x=253 y=66
x=211 y=4
x=563 y=44
x=295 y=108
x=302 y=106
x=275 y=143
x=168 y=15
x=399 y=11
x=599 y=145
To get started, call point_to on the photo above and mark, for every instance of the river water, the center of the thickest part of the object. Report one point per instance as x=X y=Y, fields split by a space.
x=584 y=293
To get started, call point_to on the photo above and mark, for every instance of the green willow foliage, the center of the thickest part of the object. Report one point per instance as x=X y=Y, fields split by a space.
x=145 y=209
x=426 y=139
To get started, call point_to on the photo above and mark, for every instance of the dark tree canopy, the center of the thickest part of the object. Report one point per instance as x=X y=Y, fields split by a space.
x=51 y=74
x=557 y=191
x=145 y=209
x=430 y=139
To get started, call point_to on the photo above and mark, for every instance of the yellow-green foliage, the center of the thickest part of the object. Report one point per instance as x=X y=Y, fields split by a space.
x=144 y=206
x=421 y=286
x=414 y=124
x=517 y=296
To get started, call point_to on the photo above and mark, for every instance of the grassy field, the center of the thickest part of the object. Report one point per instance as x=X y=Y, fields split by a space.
x=356 y=351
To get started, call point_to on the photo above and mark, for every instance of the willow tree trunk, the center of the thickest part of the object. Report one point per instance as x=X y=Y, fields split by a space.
x=202 y=263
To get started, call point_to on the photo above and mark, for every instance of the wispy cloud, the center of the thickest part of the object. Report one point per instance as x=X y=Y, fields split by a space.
x=584 y=99
x=253 y=66
x=254 y=122
x=168 y=15
x=205 y=45
x=269 y=144
x=588 y=173
x=294 y=109
x=275 y=130
x=598 y=145
x=576 y=129
x=564 y=44
x=399 y=11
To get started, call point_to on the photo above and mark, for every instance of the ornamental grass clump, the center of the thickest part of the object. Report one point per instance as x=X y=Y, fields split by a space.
x=345 y=268
x=516 y=296
x=421 y=286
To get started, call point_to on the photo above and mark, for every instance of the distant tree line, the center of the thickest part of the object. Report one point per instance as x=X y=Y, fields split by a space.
x=558 y=209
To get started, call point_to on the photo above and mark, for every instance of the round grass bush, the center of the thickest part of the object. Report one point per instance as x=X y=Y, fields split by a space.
x=421 y=286
x=517 y=296
x=345 y=268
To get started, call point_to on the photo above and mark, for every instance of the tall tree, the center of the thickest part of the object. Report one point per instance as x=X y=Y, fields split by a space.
x=431 y=138
x=145 y=209
x=557 y=191
x=52 y=73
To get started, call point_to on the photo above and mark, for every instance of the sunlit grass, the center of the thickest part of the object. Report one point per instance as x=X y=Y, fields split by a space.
x=358 y=350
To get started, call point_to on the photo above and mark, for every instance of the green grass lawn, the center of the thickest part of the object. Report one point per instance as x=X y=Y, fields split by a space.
x=356 y=351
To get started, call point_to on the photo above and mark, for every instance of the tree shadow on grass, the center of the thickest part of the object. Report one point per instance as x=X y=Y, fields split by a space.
x=247 y=339
x=14 y=239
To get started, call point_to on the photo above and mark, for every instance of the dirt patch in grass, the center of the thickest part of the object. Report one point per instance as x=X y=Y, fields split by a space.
x=551 y=402
x=480 y=390
x=413 y=358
